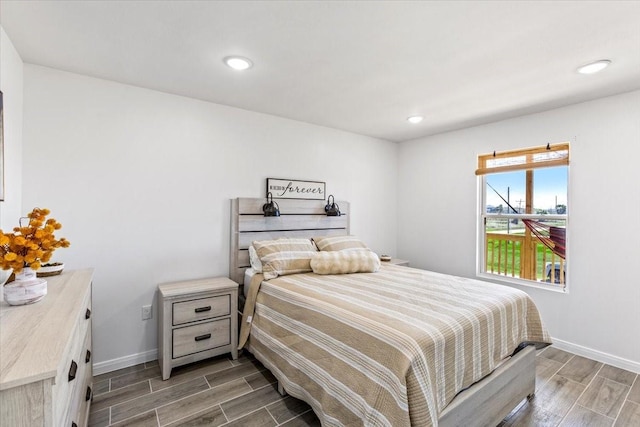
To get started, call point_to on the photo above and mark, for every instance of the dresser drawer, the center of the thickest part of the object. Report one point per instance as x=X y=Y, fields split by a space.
x=71 y=377
x=65 y=388
x=201 y=309
x=201 y=337
x=83 y=390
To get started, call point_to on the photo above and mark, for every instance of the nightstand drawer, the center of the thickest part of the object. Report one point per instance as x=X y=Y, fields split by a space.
x=200 y=309
x=201 y=337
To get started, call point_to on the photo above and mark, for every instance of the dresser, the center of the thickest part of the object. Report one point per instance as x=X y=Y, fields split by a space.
x=45 y=356
x=197 y=320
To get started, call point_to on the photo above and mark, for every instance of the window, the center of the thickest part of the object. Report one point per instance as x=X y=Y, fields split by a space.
x=523 y=215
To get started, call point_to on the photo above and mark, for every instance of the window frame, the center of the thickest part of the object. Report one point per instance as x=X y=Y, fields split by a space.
x=482 y=172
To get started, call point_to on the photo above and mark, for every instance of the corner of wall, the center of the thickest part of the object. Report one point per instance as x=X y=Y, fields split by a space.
x=12 y=87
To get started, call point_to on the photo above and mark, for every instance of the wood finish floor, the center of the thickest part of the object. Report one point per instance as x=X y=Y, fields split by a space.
x=570 y=391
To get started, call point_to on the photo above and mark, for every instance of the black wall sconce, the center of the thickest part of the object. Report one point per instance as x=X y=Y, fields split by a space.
x=271 y=208
x=332 y=208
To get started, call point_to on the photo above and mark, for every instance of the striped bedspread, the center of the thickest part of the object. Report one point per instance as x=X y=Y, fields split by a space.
x=390 y=348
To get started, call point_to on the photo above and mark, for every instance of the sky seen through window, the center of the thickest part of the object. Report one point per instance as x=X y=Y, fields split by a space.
x=550 y=188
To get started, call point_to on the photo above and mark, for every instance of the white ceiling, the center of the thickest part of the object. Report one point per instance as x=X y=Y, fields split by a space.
x=363 y=67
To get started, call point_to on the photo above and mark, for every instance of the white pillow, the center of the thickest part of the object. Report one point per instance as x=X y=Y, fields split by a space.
x=254 y=259
x=345 y=262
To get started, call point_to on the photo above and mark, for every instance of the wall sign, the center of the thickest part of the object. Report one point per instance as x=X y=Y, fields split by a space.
x=293 y=189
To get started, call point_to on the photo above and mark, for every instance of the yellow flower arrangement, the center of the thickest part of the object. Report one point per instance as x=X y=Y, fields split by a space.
x=30 y=245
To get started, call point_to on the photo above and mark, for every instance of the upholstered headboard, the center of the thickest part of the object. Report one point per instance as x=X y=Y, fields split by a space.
x=298 y=218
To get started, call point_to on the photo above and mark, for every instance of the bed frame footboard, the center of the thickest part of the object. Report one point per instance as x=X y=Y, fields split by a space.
x=281 y=389
x=490 y=400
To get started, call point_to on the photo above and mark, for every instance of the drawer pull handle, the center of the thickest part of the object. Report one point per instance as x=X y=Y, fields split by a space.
x=87 y=358
x=72 y=370
x=88 y=395
x=203 y=337
x=74 y=424
x=87 y=315
x=203 y=309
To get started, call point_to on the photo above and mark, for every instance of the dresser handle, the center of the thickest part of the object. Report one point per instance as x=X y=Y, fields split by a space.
x=203 y=337
x=88 y=395
x=203 y=309
x=72 y=370
x=73 y=424
x=87 y=358
x=87 y=315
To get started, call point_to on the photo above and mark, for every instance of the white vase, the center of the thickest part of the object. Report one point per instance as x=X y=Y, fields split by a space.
x=27 y=273
x=25 y=289
x=4 y=275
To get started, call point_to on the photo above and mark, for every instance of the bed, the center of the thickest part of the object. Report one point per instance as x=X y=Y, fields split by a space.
x=399 y=347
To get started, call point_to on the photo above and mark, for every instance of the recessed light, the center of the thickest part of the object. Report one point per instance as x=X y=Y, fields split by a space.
x=594 y=67
x=415 y=119
x=238 y=62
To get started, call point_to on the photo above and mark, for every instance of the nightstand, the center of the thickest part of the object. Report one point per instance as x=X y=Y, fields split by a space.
x=397 y=261
x=197 y=320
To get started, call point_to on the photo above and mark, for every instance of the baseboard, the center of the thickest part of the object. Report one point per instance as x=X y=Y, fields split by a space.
x=619 y=362
x=596 y=355
x=124 y=362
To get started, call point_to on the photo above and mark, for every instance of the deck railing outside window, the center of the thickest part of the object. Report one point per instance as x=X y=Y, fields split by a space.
x=508 y=255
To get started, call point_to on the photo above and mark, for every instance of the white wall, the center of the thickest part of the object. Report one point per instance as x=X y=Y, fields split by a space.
x=11 y=70
x=142 y=183
x=600 y=316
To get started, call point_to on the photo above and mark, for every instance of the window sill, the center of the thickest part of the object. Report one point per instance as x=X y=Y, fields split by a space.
x=521 y=282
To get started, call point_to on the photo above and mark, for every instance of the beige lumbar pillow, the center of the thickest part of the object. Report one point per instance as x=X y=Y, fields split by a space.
x=345 y=262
